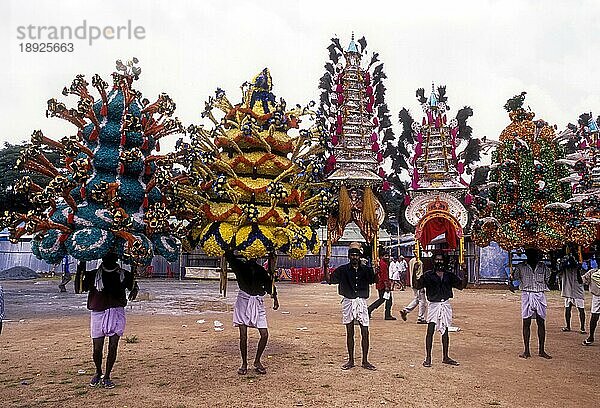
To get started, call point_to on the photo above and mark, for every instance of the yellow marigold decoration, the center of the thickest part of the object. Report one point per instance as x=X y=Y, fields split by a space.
x=247 y=185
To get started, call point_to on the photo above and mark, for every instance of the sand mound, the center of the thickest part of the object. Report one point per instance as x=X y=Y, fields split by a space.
x=18 y=273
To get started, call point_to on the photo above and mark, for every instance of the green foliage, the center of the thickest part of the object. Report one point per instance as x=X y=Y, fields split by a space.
x=525 y=208
x=515 y=103
x=394 y=206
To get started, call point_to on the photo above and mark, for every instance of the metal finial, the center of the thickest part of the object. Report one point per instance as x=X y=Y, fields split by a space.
x=352 y=35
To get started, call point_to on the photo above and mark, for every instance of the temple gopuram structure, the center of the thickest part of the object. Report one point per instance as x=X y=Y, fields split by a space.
x=437 y=193
x=355 y=116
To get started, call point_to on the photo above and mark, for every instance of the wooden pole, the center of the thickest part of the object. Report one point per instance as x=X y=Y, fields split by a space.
x=272 y=265
x=223 y=277
x=417 y=251
x=510 y=267
x=327 y=253
x=375 y=252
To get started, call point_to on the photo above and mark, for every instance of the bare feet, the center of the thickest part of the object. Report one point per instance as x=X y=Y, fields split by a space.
x=348 y=365
x=368 y=366
x=525 y=354
x=543 y=354
x=242 y=371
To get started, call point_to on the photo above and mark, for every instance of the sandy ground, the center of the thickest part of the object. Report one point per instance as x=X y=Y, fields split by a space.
x=178 y=362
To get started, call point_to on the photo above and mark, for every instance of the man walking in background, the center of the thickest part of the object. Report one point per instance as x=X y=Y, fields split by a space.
x=66 y=276
x=415 y=266
x=384 y=286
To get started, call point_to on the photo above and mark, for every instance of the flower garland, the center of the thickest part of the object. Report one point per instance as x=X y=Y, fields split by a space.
x=254 y=188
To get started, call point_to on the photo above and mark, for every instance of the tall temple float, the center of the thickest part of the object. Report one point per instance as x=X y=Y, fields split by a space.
x=248 y=185
x=108 y=195
x=438 y=193
x=353 y=109
x=581 y=142
x=527 y=201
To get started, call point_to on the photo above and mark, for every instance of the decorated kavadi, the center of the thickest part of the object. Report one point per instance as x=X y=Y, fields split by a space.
x=105 y=198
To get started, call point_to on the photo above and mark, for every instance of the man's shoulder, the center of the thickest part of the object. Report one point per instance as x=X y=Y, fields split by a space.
x=543 y=265
x=342 y=268
x=521 y=265
x=588 y=273
x=365 y=268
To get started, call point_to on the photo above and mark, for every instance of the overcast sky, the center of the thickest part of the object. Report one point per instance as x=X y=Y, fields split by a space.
x=483 y=51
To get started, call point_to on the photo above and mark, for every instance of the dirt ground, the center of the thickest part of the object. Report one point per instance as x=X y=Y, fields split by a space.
x=178 y=362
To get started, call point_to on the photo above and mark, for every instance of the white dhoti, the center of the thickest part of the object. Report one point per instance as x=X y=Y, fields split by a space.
x=249 y=311
x=578 y=303
x=355 y=309
x=533 y=304
x=440 y=313
x=595 y=304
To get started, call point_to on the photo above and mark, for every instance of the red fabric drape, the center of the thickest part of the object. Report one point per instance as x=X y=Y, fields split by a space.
x=435 y=227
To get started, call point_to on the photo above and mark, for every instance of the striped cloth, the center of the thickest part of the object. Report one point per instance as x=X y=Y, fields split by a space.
x=532 y=280
x=570 y=287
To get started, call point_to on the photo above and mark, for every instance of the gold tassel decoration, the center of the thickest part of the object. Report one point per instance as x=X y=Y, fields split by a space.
x=370 y=208
x=344 y=207
x=461 y=251
x=417 y=251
